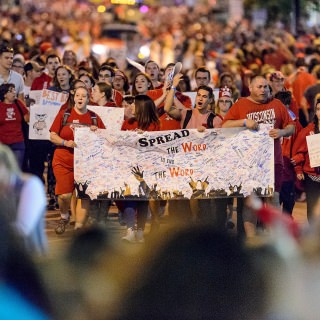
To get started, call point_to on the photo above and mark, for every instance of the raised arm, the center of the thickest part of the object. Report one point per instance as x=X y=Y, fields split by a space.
x=169 y=106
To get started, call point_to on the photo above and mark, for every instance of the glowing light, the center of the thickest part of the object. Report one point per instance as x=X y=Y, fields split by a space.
x=131 y=13
x=129 y=2
x=99 y=49
x=145 y=50
x=140 y=55
x=144 y=9
x=101 y=9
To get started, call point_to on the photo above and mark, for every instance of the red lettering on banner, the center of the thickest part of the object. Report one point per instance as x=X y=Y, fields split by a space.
x=188 y=147
x=175 y=172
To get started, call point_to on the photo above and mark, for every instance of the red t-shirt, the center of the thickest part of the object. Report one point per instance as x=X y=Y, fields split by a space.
x=10 y=122
x=130 y=125
x=273 y=112
x=42 y=82
x=168 y=123
x=65 y=154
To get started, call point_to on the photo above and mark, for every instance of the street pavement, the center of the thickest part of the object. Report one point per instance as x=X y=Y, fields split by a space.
x=58 y=243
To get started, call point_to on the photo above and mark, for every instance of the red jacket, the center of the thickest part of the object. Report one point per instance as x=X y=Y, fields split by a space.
x=300 y=152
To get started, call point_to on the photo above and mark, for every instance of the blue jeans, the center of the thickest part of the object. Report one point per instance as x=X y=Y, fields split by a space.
x=130 y=210
x=18 y=149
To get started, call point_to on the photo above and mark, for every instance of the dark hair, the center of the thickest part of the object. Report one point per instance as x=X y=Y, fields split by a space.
x=89 y=75
x=52 y=56
x=106 y=89
x=284 y=96
x=207 y=88
x=4 y=89
x=202 y=69
x=169 y=65
x=4 y=48
x=225 y=75
x=151 y=61
x=129 y=99
x=55 y=79
x=111 y=62
x=105 y=67
x=315 y=118
x=134 y=91
x=186 y=80
x=70 y=101
x=126 y=85
x=145 y=112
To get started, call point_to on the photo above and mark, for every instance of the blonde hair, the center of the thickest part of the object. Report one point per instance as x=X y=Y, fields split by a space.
x=8 y=159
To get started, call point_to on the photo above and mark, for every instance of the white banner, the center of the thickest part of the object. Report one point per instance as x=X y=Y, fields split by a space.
x=53 y=98
x=41 y=118
x=313 y=143
x=173 y=164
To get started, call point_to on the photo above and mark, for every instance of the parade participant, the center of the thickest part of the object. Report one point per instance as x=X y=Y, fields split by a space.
x=12 y=113
x=180 y=101
x=152 y=69
x=276 y=82
x=18 y=66
x=102 y=95
x=250 y=112
x=224 y=104
x=141 y=84
x=301 y=161
x=121 y=82
x=88 y=80
x=44 y=81
x=6 y=74
x=106 y=74
x=226 y=80
x=145 y=119
x=69 y=59
x=23 y=199
x=32 y=70
x=62 y=79
x=287 y=193
x=195 y=118
x=128 y=105
x=62 y=135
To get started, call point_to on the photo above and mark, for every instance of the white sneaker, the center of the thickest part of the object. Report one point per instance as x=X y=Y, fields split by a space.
x=130 y=236
x=139 y=236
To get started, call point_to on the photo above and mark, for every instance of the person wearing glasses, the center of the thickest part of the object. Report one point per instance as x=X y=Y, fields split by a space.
x=11 y=113
x=106 y=74
x=18 y=66
x=7 y=75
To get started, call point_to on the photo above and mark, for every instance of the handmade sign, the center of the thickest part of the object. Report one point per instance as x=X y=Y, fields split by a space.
x=313 y=143
x=53 y=98
x=173 y=164
x=41 y=118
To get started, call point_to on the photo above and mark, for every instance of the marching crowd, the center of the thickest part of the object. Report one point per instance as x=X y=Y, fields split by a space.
x=241 y=78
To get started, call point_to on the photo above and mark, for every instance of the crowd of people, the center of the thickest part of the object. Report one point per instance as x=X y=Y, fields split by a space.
x=240 y=77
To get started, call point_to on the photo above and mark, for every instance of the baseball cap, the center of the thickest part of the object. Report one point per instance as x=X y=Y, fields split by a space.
x=225 y=92
x=32 y=65
x=276 y=76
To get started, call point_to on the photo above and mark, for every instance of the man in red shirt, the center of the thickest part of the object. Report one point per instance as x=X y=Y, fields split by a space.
x=250 y=112
x=44 y=81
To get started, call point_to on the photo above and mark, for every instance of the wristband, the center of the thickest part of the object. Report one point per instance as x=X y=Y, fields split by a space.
x=174 y=88
x=62 y=143
x=245 y=122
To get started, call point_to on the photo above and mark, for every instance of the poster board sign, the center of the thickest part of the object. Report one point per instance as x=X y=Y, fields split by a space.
x=35 y=96
x=111 y=117
x=313 y=143
x=173 y=164
x=53 y=98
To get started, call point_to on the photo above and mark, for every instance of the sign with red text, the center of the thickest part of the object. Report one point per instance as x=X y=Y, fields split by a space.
x=53 y=98
x=173 y=164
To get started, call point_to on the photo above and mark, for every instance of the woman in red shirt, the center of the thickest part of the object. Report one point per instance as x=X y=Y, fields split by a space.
x=145 y=119
x=62 y=135
x=102 y=95
x=301 y=161
x=11 y=112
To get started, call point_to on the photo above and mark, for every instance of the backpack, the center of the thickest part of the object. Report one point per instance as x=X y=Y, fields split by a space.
x=66 y=115
x=189 y=115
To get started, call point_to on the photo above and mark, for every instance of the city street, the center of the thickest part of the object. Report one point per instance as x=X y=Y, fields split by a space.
x=57 y=243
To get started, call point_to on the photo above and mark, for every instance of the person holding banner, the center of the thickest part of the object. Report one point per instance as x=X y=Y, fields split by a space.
x=301 y=161
x=145 y=119
x=62 y=135
x=13 y=113
x=250 y=112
